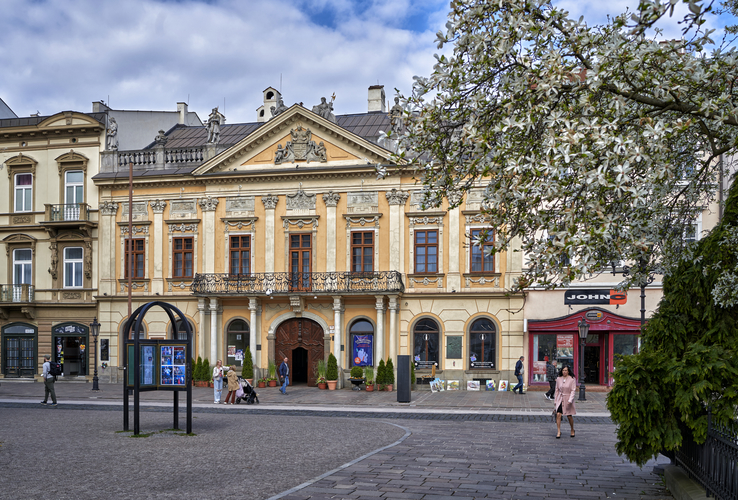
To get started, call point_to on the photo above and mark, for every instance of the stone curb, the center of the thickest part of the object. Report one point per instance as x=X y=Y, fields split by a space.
x=681 y=485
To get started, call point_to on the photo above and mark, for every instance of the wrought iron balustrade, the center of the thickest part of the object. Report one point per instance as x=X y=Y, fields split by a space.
x=295 y=283
x=67 y=212
x=713 y=463
x=16 y=293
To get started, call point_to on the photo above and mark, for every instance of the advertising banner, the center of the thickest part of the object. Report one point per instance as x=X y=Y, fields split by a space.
x=362 y=350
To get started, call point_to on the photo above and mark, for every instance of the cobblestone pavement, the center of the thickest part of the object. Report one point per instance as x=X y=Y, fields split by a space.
x=256 y=456
x=301 y=396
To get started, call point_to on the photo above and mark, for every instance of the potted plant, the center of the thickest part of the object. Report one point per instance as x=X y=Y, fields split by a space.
x=320 y=369
x=369 y=376
x=196 y=371
x=389 y=375
x=248 y=366
x=357 y=377
x=205 y=373
x=272 y=374
x=380 y=375
x=331 y=372
x=262 y=383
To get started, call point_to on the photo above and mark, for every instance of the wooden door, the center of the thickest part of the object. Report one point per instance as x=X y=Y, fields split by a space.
x=300 y=332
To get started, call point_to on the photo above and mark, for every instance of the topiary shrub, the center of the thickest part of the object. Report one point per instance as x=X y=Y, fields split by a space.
x=357 y=372
x=689 y=356
x=380 y=373
x=389 y=372
x=197 y=371
x=248 y=365
x=205 y=372
x=331 y=372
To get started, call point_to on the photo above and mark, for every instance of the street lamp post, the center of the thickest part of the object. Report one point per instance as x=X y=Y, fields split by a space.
x=95 y=329
x=583 y=332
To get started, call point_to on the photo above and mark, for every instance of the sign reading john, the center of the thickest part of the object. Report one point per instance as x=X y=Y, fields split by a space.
x=595 y=296
x=301 y=147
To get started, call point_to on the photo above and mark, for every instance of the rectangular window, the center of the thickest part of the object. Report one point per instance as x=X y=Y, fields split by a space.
x=23 y=192
x=182 y=257
x=362 y=251
x=138 y=257
x=73 y=258
x=482 y=260
x=22 y=266
x=426 y=251
x=73 y=194
x=240 y=255
x=300 y=260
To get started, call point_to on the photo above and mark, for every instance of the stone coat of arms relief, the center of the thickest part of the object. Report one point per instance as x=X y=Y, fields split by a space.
x=300 y=147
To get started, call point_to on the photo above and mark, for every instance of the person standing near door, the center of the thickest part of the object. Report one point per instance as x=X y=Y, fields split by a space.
x=48 y=382
x=284 y=373
x=519 y=371
x=217 y=381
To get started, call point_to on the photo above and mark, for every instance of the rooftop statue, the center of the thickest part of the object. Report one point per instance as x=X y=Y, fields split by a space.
x=215 y=120
x=325 y=109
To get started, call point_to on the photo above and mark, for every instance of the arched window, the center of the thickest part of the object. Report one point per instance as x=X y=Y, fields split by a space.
x=125 y=334
x=238 y=340
x=181 y=332
x=483 y=345
x=425 y=344
x=362 y=343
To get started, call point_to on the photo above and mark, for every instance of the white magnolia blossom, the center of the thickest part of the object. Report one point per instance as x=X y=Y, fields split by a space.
x=593 y=143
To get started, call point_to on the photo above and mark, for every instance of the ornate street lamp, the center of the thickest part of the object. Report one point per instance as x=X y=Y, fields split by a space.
x=583 y=332
x=95 y=329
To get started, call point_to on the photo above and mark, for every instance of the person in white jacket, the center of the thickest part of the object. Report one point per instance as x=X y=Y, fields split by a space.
x=218 y=381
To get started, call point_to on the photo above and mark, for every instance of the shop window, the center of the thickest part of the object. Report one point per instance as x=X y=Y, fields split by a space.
x=181 y=332
x=362 y=343
x=425 y=343
x=73 y=264
x=626 y=345
x=23 y=192
x=558 y=348
x=182 y=253
x=426 y=251
x=70 y=348
x=138 y=257
x=239 y=336
x=482 y=258
x=362 y=251
x=482 y=345
x=240 y=255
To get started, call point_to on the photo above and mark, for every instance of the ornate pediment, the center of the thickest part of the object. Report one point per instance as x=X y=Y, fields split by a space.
x=300 y=200
x=300 y=147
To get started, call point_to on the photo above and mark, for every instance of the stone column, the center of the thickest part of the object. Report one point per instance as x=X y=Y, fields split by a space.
x=379 y=348
x=253 y=327
x=396 y=199
x=394 y=305
x=157 y=282
x=271 y=350
x=331 y=201
x=201 y=328
x=213 y=328
x=108 y=211
x=337 y=335
x=270 y=204
x=208 y=206
x=453 y=279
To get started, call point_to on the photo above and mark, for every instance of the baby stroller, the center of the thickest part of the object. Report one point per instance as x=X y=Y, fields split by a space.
x=246 y=392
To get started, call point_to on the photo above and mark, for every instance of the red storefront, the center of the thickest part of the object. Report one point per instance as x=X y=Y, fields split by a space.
x=558 y=339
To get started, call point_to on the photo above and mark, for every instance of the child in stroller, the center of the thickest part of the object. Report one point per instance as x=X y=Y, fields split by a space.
x=246 y=392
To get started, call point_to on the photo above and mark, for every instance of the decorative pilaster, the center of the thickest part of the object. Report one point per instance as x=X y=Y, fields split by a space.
x=453 y=278
x=331 y=201
x=108 y=211
x=394 y=306
x=270 y=204
x=254 y=330
x=338 y=334
x=201 y=328
x=213 y=328
x=208 y=206
x=379 y=347
x=157 y=281
x=396 y=199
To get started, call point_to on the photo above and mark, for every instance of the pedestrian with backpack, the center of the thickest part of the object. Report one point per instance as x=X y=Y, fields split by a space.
x=49 y=379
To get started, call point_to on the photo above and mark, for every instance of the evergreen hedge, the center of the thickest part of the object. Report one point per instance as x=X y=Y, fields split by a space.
x=248 y=364
x=389 y=372
x=332 y=369
x=380 y=373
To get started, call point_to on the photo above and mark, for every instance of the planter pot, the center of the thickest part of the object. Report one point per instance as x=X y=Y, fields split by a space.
x=388 y=388
x=370 y=388
x=323 y=386
x=356 y=382
x=210 y=384
x=262 y=385
x=200 y=383
x=332 y=385
x=272 y=383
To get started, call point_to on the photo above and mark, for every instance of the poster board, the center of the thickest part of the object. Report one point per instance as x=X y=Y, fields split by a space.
x=163 y=365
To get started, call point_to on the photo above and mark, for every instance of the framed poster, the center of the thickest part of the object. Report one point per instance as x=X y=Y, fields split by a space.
x=472 y=385
x=148 y=365
x=362 y=349
x=503 y=385
x=490 y=385
x=173 y=365
x=452 y=385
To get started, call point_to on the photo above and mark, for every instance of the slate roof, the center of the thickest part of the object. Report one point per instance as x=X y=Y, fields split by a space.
x=35 y=120
x=366 y=125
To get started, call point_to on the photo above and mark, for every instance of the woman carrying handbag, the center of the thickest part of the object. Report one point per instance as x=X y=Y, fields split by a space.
x=232 y=385
x=564 y=400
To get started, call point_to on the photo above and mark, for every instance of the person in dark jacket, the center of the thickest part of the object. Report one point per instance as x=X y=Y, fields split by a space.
x=519 y=370
x=551 y=374
x=284 y=373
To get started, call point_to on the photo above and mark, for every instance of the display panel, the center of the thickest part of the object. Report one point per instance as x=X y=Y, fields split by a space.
x=173 y=365
x=163 y=365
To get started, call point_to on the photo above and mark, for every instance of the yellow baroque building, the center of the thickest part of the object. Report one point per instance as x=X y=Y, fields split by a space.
x=277 y=236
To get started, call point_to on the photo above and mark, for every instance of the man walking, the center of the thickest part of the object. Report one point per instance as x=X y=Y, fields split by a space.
x=48 y=382
x=284 y=373
x=551 y=374
x=519 y=370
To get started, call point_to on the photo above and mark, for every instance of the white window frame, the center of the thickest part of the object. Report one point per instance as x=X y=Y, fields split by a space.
x=23 y=264
x=74 y=262
x=24 y=192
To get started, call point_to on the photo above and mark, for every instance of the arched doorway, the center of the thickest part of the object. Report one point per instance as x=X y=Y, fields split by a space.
x=296 y=334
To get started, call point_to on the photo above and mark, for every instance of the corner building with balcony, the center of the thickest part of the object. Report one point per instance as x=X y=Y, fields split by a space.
x=276 y=235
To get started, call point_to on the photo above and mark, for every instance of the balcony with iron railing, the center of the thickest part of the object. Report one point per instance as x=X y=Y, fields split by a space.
x=66 y=212
x=297 y=283
x=16 y=293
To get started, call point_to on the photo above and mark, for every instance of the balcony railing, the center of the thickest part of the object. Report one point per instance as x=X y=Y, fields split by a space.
x=16 y=293
x=69 y=212
x=296 y=283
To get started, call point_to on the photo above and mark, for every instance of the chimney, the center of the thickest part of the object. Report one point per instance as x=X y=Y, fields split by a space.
x=182 y=110
x=99 y=107
x=376 y=99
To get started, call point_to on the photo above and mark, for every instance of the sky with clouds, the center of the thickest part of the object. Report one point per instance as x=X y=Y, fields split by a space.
x=149 y=54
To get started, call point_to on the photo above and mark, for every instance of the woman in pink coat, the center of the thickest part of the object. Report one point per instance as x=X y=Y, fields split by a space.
x=566 y=387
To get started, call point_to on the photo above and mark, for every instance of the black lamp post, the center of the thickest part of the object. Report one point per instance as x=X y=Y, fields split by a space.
x=95 y=329
x=583 y=332
x=646 y=279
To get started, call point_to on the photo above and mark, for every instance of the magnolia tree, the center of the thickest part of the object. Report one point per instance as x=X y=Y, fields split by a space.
x=595 y=143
